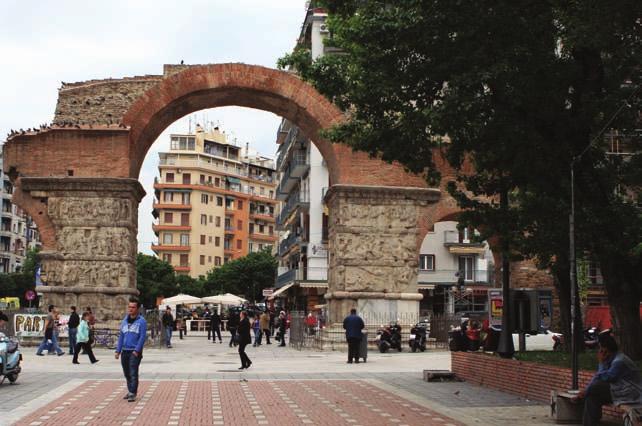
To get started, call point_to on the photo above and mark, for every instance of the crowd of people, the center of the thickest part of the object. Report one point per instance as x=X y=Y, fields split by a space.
x=80 y=334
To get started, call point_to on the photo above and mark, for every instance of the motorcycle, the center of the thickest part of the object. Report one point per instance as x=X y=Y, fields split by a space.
x=389 y=337
x=590 y=335
x=417 y=338
x=10 y=358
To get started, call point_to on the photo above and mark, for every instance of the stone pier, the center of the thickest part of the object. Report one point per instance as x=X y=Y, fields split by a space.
x=94 y=225
x=373 y=249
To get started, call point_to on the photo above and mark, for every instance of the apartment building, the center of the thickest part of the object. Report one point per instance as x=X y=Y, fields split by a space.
x=303 y=220
x=18 y=231
x=215 y=202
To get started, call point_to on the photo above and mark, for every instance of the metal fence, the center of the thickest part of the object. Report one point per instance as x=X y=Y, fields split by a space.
x=309 y=334
x=440 y=325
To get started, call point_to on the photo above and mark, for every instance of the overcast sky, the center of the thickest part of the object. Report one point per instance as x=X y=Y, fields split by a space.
x=45 y=42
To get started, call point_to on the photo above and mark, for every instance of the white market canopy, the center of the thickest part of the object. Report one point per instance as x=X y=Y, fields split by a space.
x=181 y=299
x=224 y=299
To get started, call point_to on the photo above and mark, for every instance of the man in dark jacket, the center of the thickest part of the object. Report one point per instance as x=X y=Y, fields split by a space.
x=168 y=326
x=215 y=327
x=244 y=339
x=353 y=324
x=74 y=321
x=232 y=325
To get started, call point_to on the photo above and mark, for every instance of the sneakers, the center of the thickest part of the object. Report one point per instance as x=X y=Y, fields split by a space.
x=93 y=362
x=131 y=397
x=40 y=354
x=61 y=353
x=127 y=396
x=75 y=362
x=249 y=365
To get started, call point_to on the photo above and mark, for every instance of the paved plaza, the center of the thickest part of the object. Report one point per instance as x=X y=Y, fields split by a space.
x=197 y=383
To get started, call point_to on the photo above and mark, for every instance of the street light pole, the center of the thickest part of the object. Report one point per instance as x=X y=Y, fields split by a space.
x=574 y=293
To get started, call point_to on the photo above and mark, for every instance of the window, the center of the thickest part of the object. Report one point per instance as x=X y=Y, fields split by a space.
x=202 y=239
x=239 y=205
x=209 y=259
x=467 y=267
x=211 y=217
x=203 y=219
x=184 y=219
x=271 y=230
x=271 y=194
x=219 y=201
x=239 y=224
x=185 y=198
x=212 y=198
x=202 y=259
x=167 y=257
x=217 y=241
x=239 y=244
x=251 y=228
x=217 y=261
x=218 y=221
x=202 y=179
x=209 y=239
x=169 y=218
x=184 y=260
x=217 y=182
x=204 y=198
x=252 y=190
x=250 y=247
x=187 y=178
x=167 y=238
x=262 y=229
x=184 y=239
x=260 y=246
x=184 y=143
x=169 y=177
x=262 y=190
x=168 y=196
x=427 y=262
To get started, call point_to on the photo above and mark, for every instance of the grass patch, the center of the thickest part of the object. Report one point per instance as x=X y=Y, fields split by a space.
x=587 y=360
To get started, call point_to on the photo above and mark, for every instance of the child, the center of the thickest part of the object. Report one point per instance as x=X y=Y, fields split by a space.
x=82 y=340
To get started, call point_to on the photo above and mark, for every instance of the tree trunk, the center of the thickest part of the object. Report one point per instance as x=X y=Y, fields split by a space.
x=563 y=287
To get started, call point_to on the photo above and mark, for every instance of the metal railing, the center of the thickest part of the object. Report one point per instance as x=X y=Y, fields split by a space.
x=292 y=239
x=295 y=200
x=215 y=167
x=471 y=277
x=310 y=273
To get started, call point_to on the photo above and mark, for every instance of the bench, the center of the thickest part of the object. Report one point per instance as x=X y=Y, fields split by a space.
x=566 y=409
x=439 y=376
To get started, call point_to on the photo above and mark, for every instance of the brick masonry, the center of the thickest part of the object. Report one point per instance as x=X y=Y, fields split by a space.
x=529 y=380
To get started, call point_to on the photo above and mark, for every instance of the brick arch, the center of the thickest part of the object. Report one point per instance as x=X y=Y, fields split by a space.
x=282 y=93
x=37 y=209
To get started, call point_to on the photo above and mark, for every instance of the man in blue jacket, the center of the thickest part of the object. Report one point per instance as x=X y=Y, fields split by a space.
x=131 y=339
x=353 y=324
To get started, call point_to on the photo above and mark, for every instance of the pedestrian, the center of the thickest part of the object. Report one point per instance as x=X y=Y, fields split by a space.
x=310 y=323
x=168 y=326
x=232 y=325
x=264 y=323
x=282 y=323
x=49 y=341
x=353 y=324
x=272 y=320
x=3 y=319
x=133 y=332
x=91 y=321
x=72 y=325
x=244 y=340
x=215 y=327
x=256 y=326
x=617 y=381
x=83 y=340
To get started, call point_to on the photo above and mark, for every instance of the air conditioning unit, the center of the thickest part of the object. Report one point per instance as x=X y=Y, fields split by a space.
x=323 y=29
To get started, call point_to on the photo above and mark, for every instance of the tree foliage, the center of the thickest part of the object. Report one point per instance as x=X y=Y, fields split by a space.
x=516 y=89
x=16 y=284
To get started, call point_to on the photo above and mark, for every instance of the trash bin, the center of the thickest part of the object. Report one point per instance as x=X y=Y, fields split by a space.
x=363 y=346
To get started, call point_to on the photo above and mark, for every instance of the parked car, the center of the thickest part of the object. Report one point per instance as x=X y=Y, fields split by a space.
x=543 y=341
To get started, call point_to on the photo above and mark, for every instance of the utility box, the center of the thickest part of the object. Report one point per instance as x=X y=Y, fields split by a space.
x=525 y=311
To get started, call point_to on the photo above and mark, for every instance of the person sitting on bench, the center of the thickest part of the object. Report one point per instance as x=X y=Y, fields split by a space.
x=617 y=381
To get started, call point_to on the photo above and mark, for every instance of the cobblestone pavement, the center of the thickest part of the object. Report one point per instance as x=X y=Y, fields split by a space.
x=197 y=383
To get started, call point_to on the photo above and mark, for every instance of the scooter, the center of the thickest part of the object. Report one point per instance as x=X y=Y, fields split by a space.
x=417 y=338
x=10 y=358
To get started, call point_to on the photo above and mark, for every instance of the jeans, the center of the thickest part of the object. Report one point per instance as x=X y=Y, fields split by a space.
x=216 y=331
x=72 y=340
x=245 y=360
x=130 y=364
x=598 y=394
x=257 y=336
x=267 y=335
x=49 y=346
x=233 y=334
x=168 y=335
x=87 y=347
x=353 y=348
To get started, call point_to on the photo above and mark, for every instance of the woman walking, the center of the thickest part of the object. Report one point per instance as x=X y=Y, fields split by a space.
x=82 y=340
x=244 y=340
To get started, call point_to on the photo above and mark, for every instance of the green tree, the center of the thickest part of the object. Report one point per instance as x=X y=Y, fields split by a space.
x=513 y=90
x=154 y=278
x=246 y=276
x=16 y=284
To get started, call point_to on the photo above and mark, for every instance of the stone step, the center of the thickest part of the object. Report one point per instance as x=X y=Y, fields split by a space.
x=439 y=376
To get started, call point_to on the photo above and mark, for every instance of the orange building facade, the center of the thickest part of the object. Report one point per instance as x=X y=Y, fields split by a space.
x=214 y=202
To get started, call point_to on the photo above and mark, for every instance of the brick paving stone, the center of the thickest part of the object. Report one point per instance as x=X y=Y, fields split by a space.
x=235 y=403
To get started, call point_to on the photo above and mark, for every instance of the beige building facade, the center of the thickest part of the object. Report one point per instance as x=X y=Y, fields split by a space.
x=215 y=202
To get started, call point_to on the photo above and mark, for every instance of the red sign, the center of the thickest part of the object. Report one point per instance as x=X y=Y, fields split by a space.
x=30 y=295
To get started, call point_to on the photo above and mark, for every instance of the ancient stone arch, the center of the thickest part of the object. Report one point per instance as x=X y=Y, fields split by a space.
x=78 y=179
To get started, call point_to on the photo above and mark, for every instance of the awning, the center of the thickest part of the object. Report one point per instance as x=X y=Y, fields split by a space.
x=312 y=284
x=280 y=291
x=231 y=179
x=422 y=286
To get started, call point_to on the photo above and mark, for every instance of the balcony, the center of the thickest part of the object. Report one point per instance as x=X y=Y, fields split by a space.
x=308 y=274
x=171 y=206
x=182 y=268
x=449 y=276
x=157 y=228
x=262 y=216
x=206 y=164
x=291 y=241
x=229 y=230
x=297 y=167
x=162 y=247
x=290 y=136
x=264 y=237
x=294 y=202
x=456 y=243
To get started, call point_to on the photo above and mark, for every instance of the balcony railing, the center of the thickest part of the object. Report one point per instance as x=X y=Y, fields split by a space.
x=285 y=147
x=298 y=200
x=297 y=167
x=287 y=243
x=208 y=165
x=451 y=276
x=311 y=273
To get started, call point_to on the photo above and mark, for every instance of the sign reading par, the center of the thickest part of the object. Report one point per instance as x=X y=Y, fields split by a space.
x=33 y=325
